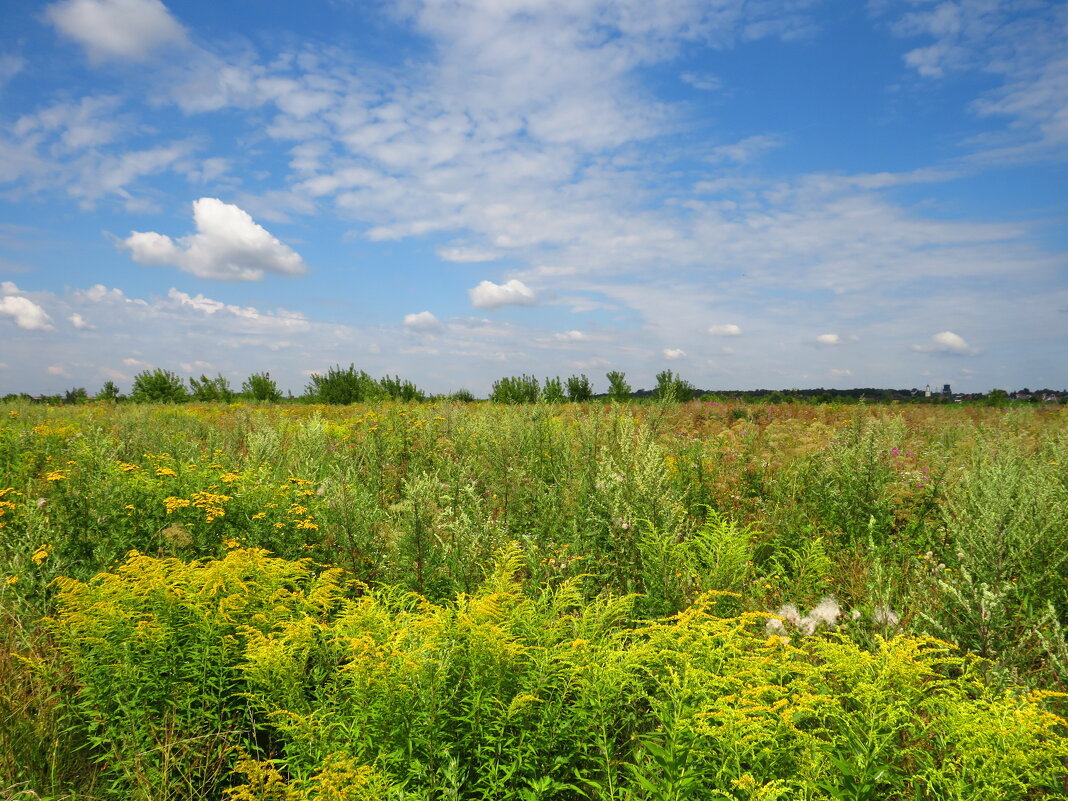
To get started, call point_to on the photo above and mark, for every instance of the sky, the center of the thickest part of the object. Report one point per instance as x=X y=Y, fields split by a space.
x=751 y=193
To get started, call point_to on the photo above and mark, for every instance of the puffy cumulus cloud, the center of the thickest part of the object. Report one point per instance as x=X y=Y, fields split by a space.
x=26 y=314
x=422 y=321
x=674 y=353
x=949 y=344
x=228 y=246
x=116 y=29
x=488 y=295
x=78 y=321
x=725 y=330
x=829 y=339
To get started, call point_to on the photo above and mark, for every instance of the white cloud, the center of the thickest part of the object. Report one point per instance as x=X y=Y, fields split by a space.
x=228 y=246
x=57 y=369
x=468 y=255
x=26 y=314
x=422 y=321
x=841 y=371
x=117 y=29
x=947 y=343
x=488 y=295
x=10 y=66
x=570 y=336
x=130 y=361
x=78 y=321
x=703 y=81
x=725 y=330
x=829 y=339
x=746 y=150
x=674 y=353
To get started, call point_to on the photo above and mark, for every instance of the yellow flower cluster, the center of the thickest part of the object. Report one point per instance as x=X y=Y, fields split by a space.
x=54 y=475
x=166 y=471
x=211 y=503
x=42 y=553
x=173 y=504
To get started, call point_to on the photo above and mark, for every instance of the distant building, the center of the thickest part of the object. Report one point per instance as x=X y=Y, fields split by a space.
x=946 y=391
x=927 y=391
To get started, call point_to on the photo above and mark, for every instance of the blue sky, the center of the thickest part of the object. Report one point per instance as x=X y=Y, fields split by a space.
x=753 y=193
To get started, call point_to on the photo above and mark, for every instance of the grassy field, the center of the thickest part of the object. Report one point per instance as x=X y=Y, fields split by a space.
x=545 y=601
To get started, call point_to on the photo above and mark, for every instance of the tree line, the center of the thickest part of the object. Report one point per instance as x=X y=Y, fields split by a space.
x=345 y=385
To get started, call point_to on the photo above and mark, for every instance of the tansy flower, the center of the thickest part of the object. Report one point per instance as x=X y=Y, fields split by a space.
x=231 y=543
x=41 y=554
x=55 y=475
x=165 y=471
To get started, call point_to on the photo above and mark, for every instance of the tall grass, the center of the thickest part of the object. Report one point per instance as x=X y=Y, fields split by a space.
x=532 y=601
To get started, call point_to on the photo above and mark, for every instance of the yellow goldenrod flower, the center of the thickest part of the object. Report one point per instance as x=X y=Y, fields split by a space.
x=231 y=543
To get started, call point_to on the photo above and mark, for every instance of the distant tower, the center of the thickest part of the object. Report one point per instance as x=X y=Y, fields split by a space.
x=927 y=391
x=946 y=391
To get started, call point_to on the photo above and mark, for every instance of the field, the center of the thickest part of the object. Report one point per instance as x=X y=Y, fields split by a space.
x=539 y=601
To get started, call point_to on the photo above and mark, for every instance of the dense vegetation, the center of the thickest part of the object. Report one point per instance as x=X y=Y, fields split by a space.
x=532 y=601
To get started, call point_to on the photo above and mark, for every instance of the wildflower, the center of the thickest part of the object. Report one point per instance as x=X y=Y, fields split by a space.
x=128 y=468
x=825 y=613
x=308 y=524
x=259 y=515
x=231 y=543
x=12 y=579
x=13 y=413
x=55 y=475
x=173 y=504
x=230 y=478
x=41 y=554
x=165 y=471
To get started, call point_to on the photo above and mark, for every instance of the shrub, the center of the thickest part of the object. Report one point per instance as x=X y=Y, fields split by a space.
x=553 y=392
x=211 y=389
x=618 y=388
x=261 y=387
x=158 y=386
x=579 y=389
x=516 y=389
x=342 y=386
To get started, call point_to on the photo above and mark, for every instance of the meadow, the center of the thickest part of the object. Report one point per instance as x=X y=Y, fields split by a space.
x=661 y=601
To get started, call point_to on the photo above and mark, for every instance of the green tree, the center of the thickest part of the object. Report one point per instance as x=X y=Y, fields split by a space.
x=671 y=388
x=618 y=388
x=342 y=386
x=109 y=391
x=579 y=389
x=76 y=395
x=516 y=389
x=261 y=387
x=158 y=386
x=211 y=389
x=401 y=389
x=553 y=391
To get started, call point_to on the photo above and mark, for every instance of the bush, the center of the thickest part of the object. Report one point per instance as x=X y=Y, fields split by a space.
x=211 y=389
x=342 y=386
x=158 y=386
x=670 y=388
x=261 y=387
x=618 y=388
x=553 y=391
x=579 y=389
x=399 y=389
x=109 y=391
x=516 y=389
